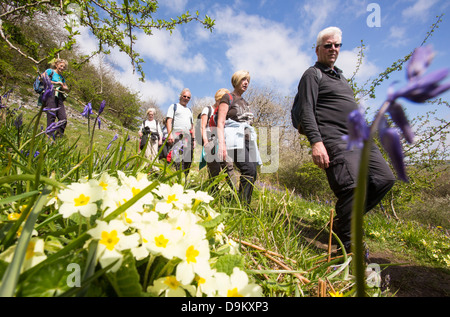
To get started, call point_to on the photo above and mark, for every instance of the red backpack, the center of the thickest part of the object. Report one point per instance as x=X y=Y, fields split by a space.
x=213 y=118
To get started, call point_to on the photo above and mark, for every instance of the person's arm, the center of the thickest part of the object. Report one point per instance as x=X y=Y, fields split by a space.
x=221 y=117
x=204 y=122
x=308 y=90
x=158 y=129
x=169 y=130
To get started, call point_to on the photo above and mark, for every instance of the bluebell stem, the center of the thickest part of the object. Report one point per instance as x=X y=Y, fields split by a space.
x=420 y=88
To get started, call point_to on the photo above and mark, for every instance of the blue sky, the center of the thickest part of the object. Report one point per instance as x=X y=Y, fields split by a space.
x=274 y=41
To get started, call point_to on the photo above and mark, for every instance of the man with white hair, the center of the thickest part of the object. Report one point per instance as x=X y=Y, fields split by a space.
x=180 y=126
x=325 y=100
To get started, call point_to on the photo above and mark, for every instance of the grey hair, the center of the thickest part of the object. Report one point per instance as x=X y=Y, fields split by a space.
x=152 y=110
x=330 y=31
x=185 y=90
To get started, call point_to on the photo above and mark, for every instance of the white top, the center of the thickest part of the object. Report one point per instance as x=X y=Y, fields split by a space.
x=205 y=111
x=152 y=125
x=183 y=118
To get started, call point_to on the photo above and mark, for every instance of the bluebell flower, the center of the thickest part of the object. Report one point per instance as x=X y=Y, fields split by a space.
x=102 y=107
x=51 y=111
x=358 y=131
x=18 y=122
x=48 y=87
x=115 y=138
x=421 y=87
x=397 y=114
x=390 y=140
x=98 y=121
x=419 y=62
x=87 y=111
x=54 y=126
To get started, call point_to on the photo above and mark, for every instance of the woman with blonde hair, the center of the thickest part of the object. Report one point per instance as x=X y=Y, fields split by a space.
x=152 y=129
x=215 y=166
x=55 y=103
x=236 y=136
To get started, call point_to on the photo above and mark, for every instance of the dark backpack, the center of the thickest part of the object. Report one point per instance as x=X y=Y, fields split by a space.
x=213 y=118
x=198 y=127
x=295 y=111
x=38 y=85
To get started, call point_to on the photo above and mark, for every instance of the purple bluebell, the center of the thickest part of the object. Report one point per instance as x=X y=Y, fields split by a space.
x=48 y=87
x=115 y=138
x=390 y=140
x=421 y=87
x=102 y=107
x=419 y=62
x=98 y=121
x=397 y=114
x=358 y=131
x=51 y=111
x=19 y=121
x=87 y=111
x=54 y=126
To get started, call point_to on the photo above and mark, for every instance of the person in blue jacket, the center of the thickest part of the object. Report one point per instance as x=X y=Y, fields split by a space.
x=54 y=105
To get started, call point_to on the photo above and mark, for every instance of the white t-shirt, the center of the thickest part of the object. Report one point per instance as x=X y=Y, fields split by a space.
x=183 y=118
x=152 y=125
x=206 y=111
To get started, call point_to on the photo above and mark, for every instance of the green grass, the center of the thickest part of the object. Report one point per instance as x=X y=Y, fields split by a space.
x=283 y=237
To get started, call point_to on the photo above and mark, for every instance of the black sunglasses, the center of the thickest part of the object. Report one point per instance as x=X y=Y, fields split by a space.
x=330 y=45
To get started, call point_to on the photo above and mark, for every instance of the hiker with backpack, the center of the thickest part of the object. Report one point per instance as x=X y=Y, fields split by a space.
x=180 y=127
x=55 y=103
x=209 y=141
x=320 y=111
x=151 y=134
x=236 y=136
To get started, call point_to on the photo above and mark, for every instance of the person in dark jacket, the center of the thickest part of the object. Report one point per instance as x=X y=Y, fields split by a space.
x=325 y=104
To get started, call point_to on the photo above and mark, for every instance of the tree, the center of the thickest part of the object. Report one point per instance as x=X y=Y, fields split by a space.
x=112 y=23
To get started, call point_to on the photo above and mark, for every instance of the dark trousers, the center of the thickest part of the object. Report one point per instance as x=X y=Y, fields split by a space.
x=186 y=153
x=247 y=166
x=60 y=114
x=342 y=176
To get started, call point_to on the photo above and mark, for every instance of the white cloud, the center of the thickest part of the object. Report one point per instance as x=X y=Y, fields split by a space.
x=419 y=10
x=348 y=61
x=315 y=13
x=170 y=50
x=175 y=6
x=268 y=50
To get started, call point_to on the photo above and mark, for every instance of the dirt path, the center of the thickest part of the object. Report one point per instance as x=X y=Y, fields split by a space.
x=408 y=279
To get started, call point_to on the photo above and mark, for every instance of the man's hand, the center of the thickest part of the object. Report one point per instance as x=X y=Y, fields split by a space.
x=320 y=155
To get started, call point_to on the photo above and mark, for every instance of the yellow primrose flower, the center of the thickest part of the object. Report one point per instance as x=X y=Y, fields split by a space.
x=173 y=197
x=160 y=238
x=195 y=258
x=33 y=255
x=236 y=285
x=170 y=286
x=112 y=240
x=80 y=197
